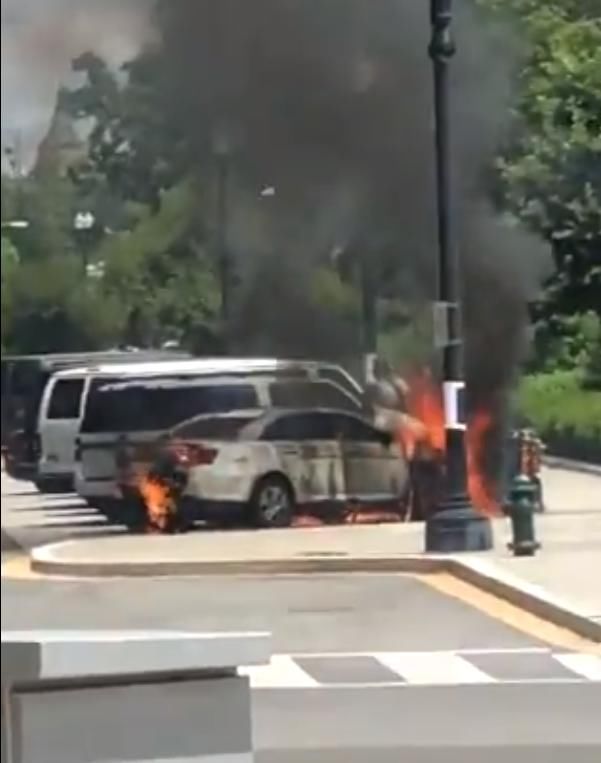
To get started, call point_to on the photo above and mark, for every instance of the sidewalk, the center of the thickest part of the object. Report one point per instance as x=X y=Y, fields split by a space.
x=565 y=572
x=566 y=564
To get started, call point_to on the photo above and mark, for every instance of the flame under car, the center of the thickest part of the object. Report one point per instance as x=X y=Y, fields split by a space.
x=266 y=468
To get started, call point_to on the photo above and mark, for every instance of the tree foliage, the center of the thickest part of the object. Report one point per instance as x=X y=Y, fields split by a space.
x=154 y=279
x=50 y=309
x=10 y=263
x=162 y=272
x=134 y=151
x=147 y=176
x=551 y=170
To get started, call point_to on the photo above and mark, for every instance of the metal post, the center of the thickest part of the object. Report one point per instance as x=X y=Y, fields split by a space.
x=369 y=318
x=84 y=226
x=455 y=526
x=222 y=226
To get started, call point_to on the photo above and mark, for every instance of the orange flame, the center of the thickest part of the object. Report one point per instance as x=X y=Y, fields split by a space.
x=481 y=492
x=158 y=502
x=424 y=402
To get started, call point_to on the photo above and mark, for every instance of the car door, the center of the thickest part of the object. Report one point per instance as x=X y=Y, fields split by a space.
x=60 y=427
x=375 y=470
x=308 y=452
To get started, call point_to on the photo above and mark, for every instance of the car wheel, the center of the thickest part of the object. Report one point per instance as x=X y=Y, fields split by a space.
x=272 y=503
x=109 y=509
x=54 y=486
x=128 y=513
x=133 y=515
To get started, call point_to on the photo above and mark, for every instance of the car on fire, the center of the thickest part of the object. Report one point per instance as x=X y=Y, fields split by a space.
x=133 y=408
x=264 y=466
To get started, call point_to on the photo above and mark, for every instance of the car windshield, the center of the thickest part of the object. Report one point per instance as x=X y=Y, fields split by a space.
x=151 y=407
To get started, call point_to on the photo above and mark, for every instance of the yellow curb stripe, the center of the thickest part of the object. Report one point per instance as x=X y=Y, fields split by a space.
x=508 y=613
x=19 y=568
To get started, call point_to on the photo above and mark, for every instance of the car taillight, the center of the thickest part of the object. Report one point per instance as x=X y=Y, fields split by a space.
x=78 y=452
x=188 y=454
x=36 y=446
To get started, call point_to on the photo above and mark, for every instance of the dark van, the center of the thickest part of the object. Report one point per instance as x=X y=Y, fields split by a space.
x=24 y=378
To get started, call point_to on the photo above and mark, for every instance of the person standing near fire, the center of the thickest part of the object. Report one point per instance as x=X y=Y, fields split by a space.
x=387 y=397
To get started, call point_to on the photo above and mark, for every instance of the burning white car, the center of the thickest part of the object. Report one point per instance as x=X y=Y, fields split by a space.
x=266 y=467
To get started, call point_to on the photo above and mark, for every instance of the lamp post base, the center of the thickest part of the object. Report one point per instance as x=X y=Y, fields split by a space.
x=453 y=530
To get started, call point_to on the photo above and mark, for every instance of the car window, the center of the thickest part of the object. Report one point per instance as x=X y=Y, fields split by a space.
x=223 y=428
x=27 y=382
x=307 y=394
x=139 y=407
x=336 y=376
x=355 y=430
x=65 y=399
x=303 y=426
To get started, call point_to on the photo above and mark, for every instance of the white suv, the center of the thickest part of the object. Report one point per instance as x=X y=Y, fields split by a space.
x=131 y=410
x=260 y=467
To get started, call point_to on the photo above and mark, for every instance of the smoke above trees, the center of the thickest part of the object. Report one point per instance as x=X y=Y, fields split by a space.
x=329 y=104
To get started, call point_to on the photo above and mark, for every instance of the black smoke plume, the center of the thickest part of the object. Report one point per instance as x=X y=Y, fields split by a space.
x=39 y=39
x=330 y=103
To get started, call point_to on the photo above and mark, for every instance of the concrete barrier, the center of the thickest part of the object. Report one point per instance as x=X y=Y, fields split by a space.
x=119 y=697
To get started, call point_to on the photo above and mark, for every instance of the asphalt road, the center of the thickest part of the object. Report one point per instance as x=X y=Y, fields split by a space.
x=338 y=699
x=552 y=719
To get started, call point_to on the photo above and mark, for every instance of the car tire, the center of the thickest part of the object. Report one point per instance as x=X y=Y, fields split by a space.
x=109 y=509
x=122 y=512
x=272 y=502
x=54 y=486
x=133 y=516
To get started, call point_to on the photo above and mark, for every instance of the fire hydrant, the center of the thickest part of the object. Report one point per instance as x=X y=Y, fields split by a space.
x=521 y=512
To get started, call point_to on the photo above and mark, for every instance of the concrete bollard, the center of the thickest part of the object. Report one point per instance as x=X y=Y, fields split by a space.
x=128 y=697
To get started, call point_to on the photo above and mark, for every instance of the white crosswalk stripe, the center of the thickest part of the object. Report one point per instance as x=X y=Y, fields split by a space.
x=440 y=668
x=282 y=671
x=433 y=668
x=586 y=665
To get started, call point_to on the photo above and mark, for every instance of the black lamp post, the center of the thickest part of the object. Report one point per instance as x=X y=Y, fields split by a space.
x=83 y=225
x=455 y=525
x=222 y=148
x=222 y=226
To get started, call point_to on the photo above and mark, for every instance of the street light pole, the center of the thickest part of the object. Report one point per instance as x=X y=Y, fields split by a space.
x=455 y=525
x=222 y=227
x=84 y=224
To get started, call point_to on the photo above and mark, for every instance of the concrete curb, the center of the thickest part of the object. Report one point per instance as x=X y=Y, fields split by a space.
x=555 y=462
x=480 y=573
x=533 y=599
x=9 y=544
x=46 y=561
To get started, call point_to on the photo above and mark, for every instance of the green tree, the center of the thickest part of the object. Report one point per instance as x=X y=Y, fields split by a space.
x=10 y=263
x=162 y=273
x=134 y=151
x=50 y=309
x=551 y=171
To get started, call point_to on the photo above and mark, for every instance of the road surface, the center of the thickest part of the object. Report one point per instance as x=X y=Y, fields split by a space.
x=368 y=668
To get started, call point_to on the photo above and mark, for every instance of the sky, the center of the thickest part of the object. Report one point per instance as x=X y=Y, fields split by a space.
x=39 y=39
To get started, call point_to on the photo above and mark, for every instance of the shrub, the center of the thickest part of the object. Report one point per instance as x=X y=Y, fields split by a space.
x=564 y=412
